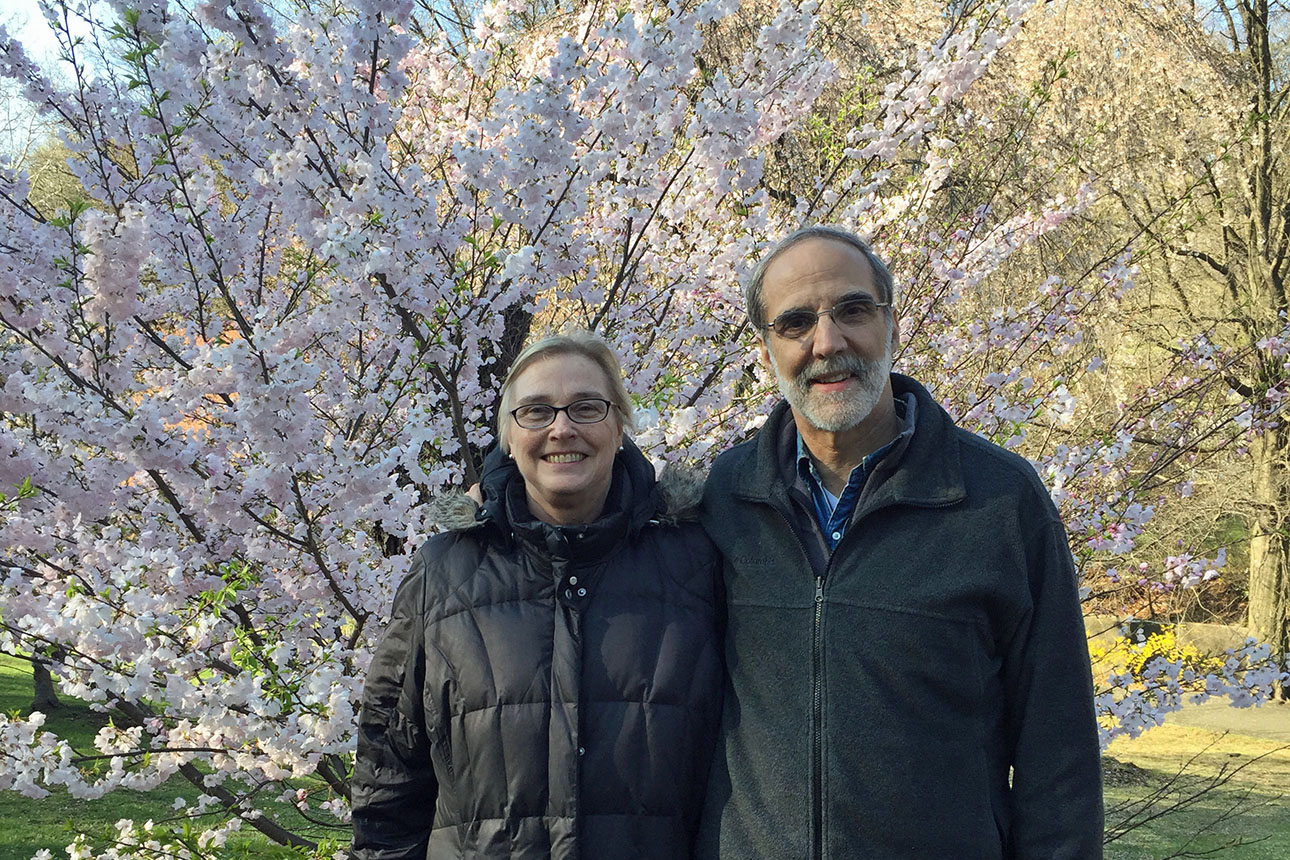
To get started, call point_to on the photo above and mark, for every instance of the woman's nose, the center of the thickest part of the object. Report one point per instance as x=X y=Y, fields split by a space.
x=563 y=425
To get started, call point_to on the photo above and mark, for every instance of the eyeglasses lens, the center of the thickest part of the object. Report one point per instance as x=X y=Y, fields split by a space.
x=795 y=325
x=535 y=416
x=850 y=313
x=587 y=411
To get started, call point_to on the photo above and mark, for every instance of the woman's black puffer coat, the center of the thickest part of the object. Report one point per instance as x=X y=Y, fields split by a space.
x=545 y=691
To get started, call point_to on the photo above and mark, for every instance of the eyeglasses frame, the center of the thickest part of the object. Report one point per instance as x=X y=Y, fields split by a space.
x=868 y=300
x=556 y=410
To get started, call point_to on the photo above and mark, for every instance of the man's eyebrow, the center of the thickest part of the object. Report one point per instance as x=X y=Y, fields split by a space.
x=546 y=401
x=857 y=293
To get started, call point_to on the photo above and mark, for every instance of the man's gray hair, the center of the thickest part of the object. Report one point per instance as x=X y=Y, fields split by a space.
x=754 y=301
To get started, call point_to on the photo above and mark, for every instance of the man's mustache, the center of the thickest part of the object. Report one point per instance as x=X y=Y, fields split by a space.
x=836 y=364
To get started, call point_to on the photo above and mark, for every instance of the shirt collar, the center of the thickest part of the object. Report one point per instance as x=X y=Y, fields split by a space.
x=806 y=466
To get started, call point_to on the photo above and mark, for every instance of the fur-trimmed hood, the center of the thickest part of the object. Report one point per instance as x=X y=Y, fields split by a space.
x=676 y=493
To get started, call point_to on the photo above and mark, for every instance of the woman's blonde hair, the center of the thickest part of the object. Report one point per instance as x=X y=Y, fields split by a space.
x=582 y=343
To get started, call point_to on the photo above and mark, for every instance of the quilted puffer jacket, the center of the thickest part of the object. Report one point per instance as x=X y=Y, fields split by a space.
x=546 y=691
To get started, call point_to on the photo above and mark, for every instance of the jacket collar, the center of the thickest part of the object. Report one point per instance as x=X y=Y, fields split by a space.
x=928 y=474
x=634 y=500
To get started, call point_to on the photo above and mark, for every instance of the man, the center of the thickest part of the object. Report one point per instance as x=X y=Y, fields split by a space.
x=906 y=651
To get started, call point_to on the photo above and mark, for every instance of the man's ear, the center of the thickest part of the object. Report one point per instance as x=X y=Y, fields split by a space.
x=765 y=354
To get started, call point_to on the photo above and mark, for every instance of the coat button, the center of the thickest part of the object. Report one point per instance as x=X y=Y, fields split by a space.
x=582 y=592
x=582 y=750
x=573 y=580
x=568 y=592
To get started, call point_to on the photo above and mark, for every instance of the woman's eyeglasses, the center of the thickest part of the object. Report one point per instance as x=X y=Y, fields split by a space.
x=535 y=416
x=851 y=312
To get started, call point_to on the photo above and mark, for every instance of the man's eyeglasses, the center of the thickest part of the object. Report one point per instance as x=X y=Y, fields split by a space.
x=851 y=312
x=535 y=416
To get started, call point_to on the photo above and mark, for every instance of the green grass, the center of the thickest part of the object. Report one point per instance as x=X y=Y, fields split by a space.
x=52 y=822
x=1261 y=791
x=1257 y=793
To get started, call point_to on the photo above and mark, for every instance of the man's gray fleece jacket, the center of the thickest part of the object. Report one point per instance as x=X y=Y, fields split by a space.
x=926 y=692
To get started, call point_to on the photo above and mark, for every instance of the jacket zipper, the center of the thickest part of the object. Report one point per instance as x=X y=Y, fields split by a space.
x=817 y=649
x=817 y=727
x=817 y=700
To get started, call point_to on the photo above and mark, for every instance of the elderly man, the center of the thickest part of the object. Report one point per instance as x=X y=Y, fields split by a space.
x=906 y=651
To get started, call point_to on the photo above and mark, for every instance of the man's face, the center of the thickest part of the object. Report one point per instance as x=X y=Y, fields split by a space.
x=835 y=375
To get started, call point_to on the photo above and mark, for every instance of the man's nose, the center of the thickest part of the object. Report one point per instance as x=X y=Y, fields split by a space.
x=829 y=338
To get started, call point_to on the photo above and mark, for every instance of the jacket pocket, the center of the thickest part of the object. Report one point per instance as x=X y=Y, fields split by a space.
x=909 y=730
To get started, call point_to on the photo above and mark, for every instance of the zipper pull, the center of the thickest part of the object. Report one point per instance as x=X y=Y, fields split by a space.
x=819 y=589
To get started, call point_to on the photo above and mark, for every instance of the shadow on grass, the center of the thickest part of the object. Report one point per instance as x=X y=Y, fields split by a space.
x=1215 y=803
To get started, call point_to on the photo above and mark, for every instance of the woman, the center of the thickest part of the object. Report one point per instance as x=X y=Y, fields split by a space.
x=549 y=683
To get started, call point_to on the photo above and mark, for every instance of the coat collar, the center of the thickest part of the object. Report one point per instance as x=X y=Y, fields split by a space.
x=635 y=500
x=928 y=474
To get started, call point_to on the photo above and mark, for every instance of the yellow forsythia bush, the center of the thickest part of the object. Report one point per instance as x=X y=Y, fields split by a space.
x=1132 y=654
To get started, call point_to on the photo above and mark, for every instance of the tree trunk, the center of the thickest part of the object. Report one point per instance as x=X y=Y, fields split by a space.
x=1269 y=606
x=46 y=698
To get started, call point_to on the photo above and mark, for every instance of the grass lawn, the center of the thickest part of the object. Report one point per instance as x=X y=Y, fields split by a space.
x=52 y=822
x=1259 y=792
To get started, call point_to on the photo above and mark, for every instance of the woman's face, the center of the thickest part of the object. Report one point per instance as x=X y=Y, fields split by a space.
x=566 y=467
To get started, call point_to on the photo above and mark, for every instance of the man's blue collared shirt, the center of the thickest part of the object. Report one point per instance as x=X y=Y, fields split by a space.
x=834 y=512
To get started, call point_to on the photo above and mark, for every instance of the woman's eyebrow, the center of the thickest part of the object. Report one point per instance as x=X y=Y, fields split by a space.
x=577 y=395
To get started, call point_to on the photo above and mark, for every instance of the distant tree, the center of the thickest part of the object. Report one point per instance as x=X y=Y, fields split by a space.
x=1173 y=112
x=1193 y=149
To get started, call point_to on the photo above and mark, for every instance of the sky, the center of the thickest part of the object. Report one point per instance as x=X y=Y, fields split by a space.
x=19 y=127
x=34 y=32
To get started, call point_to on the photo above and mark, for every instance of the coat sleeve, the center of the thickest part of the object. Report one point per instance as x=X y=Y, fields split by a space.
x=394 y=786
x=1057 y=772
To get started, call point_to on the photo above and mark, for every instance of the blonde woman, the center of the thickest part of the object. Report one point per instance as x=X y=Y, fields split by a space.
x=550 y=682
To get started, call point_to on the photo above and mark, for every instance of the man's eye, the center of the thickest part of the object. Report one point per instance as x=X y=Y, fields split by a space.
x=796 y=323
x=853 y=311
x=536 y=411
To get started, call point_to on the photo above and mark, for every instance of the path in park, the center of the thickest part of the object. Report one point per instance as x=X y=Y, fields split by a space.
x=1270 y=720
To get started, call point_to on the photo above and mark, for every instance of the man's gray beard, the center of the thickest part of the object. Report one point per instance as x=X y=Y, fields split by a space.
x=835 y=412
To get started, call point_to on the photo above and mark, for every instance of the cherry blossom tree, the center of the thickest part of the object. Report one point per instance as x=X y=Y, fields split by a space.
x=270 y=328
x=308 y=240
